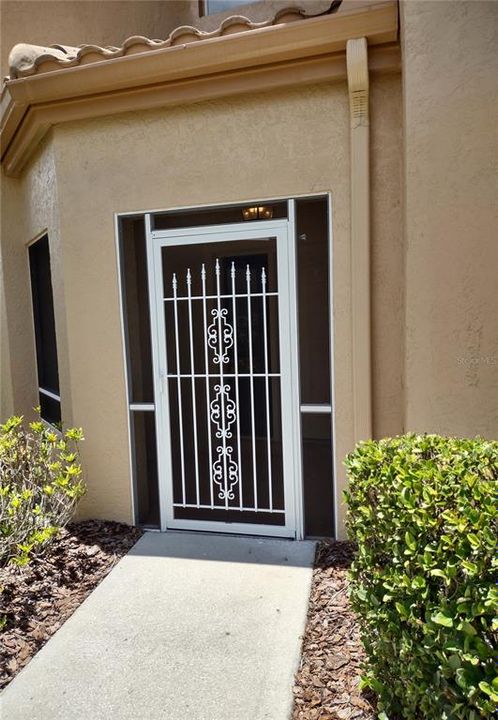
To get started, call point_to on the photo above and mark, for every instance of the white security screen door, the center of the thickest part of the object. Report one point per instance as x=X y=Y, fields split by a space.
x=223 y=365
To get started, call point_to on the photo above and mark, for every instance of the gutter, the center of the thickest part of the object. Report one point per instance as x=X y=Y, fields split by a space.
x=358 y=87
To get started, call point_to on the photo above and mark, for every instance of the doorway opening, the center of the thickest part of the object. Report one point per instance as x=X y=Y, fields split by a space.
x=227 y=328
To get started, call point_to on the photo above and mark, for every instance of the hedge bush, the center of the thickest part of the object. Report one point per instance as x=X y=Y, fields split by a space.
x=423 y=512
x=40 y=484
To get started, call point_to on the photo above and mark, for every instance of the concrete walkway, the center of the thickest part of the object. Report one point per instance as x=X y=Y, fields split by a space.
x=185 y=627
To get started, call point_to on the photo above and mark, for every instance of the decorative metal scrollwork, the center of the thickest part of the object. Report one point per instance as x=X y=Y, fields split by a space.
x=223 y=411
x=225 y=472
x=236 y=305
x=220 y=336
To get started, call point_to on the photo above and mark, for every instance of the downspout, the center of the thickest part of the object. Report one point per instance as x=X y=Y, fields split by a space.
x=357 y=70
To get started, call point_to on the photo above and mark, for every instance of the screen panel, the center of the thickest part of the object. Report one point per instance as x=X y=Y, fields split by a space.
x=136 y=309
x=313 y=265
x=221 y=310
x=317 y=474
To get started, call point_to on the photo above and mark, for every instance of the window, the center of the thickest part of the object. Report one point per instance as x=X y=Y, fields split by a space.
x=211 y=7
x=44 y=322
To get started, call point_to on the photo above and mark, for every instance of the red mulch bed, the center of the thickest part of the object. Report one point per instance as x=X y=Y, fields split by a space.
x=37 y=599
x=326 y=684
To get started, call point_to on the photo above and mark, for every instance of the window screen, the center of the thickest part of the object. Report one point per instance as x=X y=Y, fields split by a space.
x=314 y=356
x=136 y=313
x=45 y=339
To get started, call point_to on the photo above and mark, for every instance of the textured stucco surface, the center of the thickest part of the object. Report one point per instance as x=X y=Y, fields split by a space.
x=6 y=389
x=450 y=66
x=281 y=144
x=213 y=152
x=387 y=255
x=29 y=208
x=255 y=11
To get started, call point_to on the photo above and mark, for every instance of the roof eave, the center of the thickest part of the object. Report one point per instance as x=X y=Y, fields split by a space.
x=30 y=105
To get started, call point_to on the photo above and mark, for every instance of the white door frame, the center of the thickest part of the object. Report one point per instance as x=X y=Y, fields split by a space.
x=283 y=231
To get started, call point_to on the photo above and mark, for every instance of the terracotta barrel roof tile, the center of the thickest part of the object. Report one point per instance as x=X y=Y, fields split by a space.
x=26 y=60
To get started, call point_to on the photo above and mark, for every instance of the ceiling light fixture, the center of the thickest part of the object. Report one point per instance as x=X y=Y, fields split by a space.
x=257 y=212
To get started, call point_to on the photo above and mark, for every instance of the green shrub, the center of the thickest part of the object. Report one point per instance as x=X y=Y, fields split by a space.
x=40 y=484
x=423 y=512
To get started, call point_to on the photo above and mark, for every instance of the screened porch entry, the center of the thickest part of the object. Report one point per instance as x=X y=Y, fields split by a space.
x=227 y=336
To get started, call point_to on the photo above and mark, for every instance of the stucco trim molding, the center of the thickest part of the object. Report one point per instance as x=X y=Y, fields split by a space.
x=300 y=52
x=358 y=86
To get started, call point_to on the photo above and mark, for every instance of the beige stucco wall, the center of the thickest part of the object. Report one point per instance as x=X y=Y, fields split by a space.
x=214 y=152
x=450 y=67
x=280 y=144
x=387 y=255
x=29 y=207
x=255 y=11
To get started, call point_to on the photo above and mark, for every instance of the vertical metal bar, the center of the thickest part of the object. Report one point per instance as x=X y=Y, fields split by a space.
x=335 y=461
x=179 y=385
x=295 y=505
x=222 y=389
x=251 y=380
x=125 y=343
x=155 y=281
x=236 y=358
x=267 y=387
x=192 y=371
x=206 y=361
